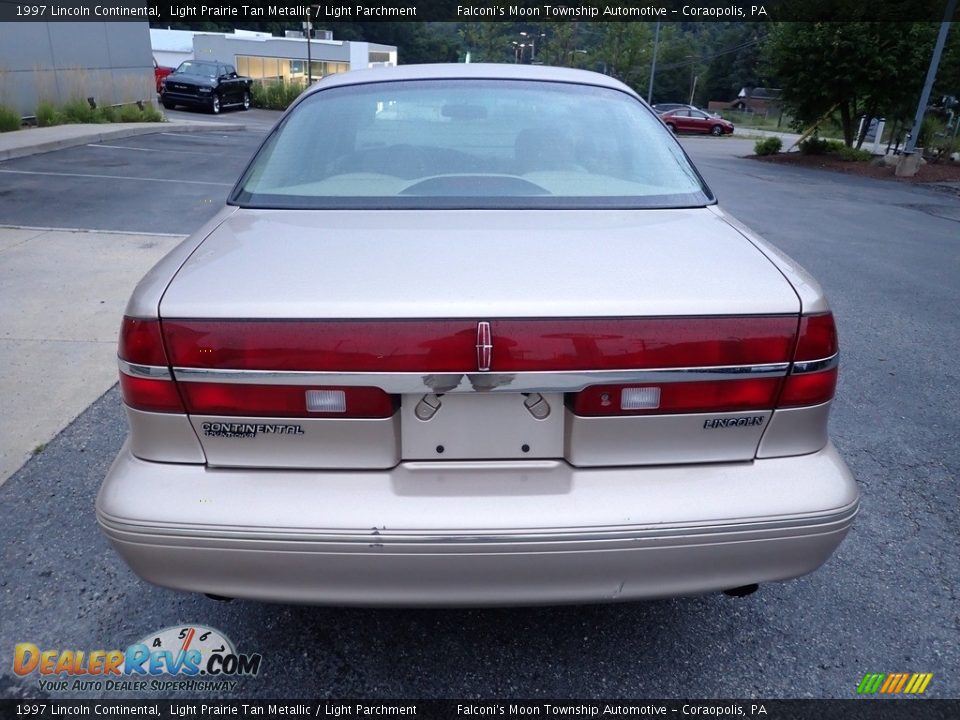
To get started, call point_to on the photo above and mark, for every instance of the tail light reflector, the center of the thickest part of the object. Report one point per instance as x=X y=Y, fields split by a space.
x=203 y=398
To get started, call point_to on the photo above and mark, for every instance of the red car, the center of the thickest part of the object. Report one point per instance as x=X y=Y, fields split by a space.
x=696 y=121
x=159 y=73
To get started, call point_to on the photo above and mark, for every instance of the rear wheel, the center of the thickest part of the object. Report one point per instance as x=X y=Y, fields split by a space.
x=215 y=105
x=716 y=130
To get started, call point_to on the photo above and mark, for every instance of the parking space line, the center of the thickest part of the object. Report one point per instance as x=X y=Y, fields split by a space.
x=192 y=136
x=115 y=177
x=159 y=150
x=89 y=230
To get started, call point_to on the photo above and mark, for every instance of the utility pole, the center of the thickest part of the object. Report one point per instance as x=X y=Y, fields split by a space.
x=308 y=26
x=931 y=76
x=653 y=66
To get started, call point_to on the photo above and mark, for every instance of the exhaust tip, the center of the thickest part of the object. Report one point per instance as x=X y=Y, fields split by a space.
x=742 y=591
x=218 y=598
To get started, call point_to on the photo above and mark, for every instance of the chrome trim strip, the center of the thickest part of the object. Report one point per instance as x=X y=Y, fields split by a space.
x=829 y=521
x=155 y=372
x=809 y=366
x=540 y=381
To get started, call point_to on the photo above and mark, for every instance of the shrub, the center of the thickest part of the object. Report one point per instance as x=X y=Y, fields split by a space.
x=274 y=95
x=107 y=114
x=130 y=113
x=47 y=114
x=814 y=146
x=9 y=119
x=151 y=114
x=78 y=111
x=768 y=146
x=849 y=154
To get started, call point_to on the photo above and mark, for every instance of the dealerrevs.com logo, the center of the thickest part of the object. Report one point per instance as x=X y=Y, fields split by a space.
x=184 y=657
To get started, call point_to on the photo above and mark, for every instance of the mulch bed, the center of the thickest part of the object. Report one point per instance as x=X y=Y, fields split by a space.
x=929 y=173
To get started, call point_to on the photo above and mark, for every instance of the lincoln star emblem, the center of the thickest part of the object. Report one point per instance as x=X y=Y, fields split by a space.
x=484 y=346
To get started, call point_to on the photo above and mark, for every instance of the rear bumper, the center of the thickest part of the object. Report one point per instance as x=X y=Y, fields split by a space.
x=493 y=533
x=184 y=99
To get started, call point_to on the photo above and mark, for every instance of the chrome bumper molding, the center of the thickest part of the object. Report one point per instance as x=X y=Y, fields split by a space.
x=541 y=381
x=811 y=366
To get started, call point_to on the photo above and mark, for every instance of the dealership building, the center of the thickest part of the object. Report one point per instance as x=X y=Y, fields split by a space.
x=266 y=58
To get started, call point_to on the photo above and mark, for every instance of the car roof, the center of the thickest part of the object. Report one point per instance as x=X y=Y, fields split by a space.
x=479 y=71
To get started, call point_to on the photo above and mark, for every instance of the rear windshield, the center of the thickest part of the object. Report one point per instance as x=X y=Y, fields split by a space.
x=470 y=144
x=194 y=68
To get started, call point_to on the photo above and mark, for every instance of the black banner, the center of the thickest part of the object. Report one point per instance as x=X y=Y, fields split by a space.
x=475 y=10
x=861 y=709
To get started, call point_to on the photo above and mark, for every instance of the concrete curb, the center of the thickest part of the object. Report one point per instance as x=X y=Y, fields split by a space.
x=98 y=133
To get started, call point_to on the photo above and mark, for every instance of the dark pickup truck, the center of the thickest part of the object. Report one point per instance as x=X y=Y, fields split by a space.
x=206 y=84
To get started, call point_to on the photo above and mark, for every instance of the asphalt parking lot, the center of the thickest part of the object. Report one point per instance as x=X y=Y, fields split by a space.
x=163 y=183
x=888 y=256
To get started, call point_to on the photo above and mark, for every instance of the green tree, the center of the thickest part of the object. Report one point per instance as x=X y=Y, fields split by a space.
x=486 y=41
x=733 y=61
x=852 y=68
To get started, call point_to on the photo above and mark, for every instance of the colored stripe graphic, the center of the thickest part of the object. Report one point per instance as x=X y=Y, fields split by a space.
x=918 y=683
x=894 y=683
x=870 y=683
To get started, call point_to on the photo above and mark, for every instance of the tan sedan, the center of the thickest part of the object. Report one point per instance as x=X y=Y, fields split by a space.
x=475 y=335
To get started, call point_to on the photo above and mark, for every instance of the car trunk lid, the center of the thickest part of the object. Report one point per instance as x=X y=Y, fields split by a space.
x=322 y=339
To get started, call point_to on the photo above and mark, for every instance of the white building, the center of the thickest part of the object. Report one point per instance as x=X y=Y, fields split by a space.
x=267 y=58
x=171 y=47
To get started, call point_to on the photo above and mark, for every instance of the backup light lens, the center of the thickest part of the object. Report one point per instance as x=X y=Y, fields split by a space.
x=646 y=398
x=326 y=401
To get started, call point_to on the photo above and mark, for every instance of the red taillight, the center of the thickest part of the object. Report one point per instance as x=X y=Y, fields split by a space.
x=150 y=394
x=141 y=342
x=808 y=389
x=286 y=400
x=818 y=338
x=812 y=380
x=680 y=397
x=450 y=345
x=817 y=347
x=151 y=387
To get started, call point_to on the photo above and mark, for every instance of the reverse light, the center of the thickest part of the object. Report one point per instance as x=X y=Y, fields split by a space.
x=645 y=398
x=326 y=401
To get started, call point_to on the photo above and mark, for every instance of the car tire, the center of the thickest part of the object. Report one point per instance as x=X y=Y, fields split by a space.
x=167 y=104
x=673 y=128
x=716 y=130
x=246 y=101
x=215 y=104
